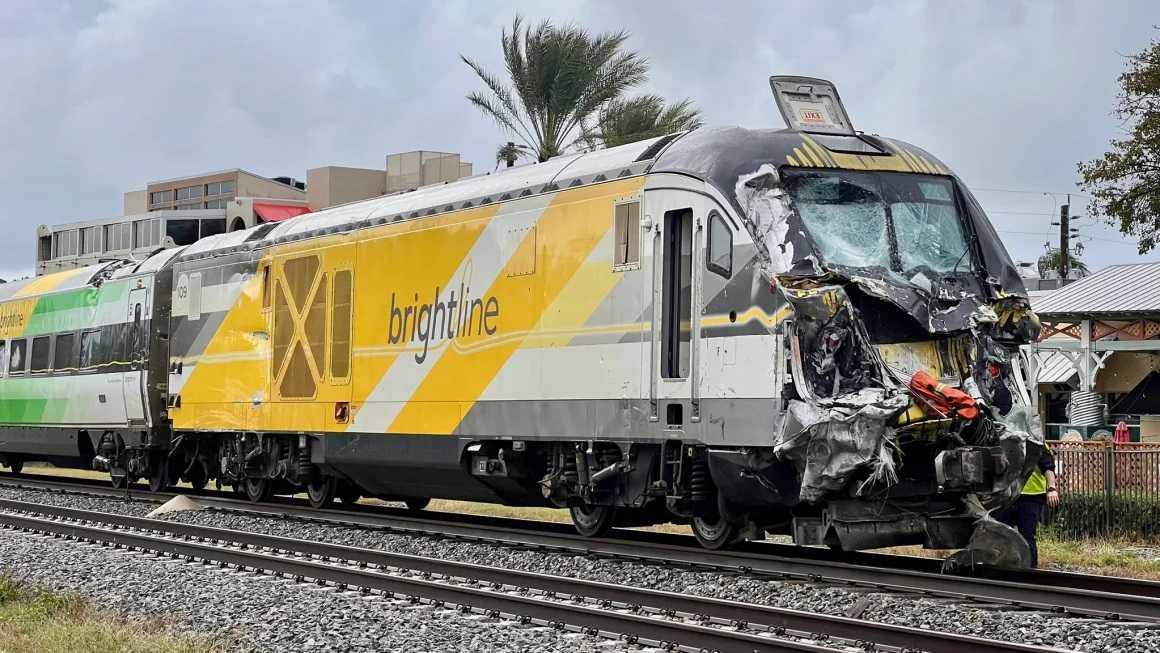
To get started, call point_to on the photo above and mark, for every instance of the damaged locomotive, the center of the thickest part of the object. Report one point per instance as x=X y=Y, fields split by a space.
x=908 y=410
x=809 y=331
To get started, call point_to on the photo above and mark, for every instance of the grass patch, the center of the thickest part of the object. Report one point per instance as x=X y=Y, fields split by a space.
x=1104 y=556
x=32 y=619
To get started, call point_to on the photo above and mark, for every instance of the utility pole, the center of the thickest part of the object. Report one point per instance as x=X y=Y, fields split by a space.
x=1064 y=236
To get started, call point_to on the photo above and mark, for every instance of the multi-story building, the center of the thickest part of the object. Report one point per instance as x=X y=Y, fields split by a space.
x=180 y=211
x=214 y=189
x=333 y=185
x=77 y=244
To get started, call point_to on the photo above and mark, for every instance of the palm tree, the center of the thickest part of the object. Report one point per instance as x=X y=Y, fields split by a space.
x=1049 y=263
x=646 y=116
x=510 y=153
x=559 y=77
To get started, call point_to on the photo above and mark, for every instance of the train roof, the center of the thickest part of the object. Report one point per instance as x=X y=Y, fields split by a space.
x=52 y=282
x=717 y=156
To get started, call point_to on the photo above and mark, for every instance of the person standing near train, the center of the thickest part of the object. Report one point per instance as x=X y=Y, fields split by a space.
x=1039 y=490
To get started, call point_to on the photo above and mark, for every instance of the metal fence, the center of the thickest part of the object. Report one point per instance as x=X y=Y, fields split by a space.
x=1106 y=488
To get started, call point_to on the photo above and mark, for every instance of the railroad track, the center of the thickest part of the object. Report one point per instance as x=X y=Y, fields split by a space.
x=651 y=617
x=1058 y=592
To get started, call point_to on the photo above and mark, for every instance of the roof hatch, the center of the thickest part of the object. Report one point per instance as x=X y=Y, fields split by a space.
x=812 y=105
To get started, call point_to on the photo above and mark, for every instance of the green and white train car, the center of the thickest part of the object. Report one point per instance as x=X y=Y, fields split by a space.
x=79 y=365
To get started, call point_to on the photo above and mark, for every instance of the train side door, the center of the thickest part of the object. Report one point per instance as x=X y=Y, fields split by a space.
x=134 y=378
x=676 y=236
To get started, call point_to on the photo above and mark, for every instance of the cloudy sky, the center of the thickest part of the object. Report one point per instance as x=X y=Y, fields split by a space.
x=100 y=97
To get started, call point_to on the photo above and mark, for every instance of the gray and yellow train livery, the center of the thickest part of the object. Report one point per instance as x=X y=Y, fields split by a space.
x=722 y=327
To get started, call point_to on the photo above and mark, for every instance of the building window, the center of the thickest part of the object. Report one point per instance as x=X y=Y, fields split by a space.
x=193 y=206
x=215 y=204
x=161 y=197
x=189 y=193
x=91 y=240
x=43 y=249
x=227 y=187
x=183 y=232
x=213 y=226
x=118 y=236
x=146 y=233
x=627 y=225
x=64 y=243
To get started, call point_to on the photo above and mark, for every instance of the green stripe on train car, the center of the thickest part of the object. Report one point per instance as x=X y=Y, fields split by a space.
x=73 y=310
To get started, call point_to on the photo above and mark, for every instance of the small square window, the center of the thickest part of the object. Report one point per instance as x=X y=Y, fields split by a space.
x=719 y=253
x=627 y=241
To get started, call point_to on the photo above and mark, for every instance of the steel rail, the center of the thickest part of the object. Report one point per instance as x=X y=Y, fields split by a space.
x=740 y=616
x=1127 y=599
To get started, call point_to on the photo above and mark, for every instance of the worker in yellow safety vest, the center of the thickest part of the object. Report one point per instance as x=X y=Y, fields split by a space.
x=1025 y=513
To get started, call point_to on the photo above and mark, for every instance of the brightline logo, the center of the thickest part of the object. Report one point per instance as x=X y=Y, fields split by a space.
x=439 y=320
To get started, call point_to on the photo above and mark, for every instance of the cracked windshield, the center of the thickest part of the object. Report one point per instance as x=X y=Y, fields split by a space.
x=894 y=221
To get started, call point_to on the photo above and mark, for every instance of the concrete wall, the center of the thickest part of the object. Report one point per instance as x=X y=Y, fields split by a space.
x=136 y=201
x=334 y=185
x=255 y=186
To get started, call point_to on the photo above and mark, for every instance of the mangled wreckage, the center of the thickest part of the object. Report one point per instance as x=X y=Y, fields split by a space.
x=907 y=410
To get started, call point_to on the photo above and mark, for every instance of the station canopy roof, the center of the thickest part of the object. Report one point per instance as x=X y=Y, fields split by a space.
x=1129 y=292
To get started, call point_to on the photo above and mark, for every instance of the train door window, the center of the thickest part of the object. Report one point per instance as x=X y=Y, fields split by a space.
x=41 y=355
x=63 y=356
x=136 y=344
x=627 y=240
x=340 y=326
x=194 y=312
x=17 y=358
x=677 y=302
x=3 y=358
x=90 y=355
x=719 y=252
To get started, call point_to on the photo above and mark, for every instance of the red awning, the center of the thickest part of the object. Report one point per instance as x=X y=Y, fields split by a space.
x=278 y=212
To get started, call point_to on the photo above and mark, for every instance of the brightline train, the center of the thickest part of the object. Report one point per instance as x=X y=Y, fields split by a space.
x=811 y=331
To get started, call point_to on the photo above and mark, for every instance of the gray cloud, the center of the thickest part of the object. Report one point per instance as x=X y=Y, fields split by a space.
x=101 y=98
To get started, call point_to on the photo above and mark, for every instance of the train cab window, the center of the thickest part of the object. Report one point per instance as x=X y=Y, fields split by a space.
x=3 y=358
x=266 y=287
x=41 y=355
x=627 y=225
x=90 y=349
x=63 y=357
x=719 y=253
x=17 y=358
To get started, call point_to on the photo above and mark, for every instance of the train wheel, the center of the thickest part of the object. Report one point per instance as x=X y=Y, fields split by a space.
x=320 y=492
x=592 y=521
x=258 y=489
x=417 y=503
x=715 y=531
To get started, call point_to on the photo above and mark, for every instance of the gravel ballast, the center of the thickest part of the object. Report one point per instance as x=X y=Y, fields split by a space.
x=1029 y=627
x=251 y=612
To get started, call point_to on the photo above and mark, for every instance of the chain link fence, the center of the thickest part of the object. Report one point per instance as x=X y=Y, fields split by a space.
x=1106 y=488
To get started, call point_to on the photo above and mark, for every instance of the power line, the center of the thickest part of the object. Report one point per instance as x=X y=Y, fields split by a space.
x=1039 y=213
x=1028 y=192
